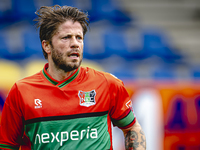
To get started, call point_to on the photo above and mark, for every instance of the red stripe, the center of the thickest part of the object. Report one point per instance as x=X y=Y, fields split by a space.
x=124 y=114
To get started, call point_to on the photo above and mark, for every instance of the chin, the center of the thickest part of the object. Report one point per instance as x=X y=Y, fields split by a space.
x=70 y=67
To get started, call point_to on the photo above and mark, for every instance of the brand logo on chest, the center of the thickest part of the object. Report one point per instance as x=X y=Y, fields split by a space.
x=38 y=103
x=87 y=98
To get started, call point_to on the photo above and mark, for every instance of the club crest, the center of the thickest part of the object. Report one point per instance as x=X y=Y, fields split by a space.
x=87 y=98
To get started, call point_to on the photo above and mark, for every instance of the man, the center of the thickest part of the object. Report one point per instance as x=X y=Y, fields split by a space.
x=66 y=106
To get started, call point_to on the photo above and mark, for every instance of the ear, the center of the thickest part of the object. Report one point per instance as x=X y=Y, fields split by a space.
x=46 y=46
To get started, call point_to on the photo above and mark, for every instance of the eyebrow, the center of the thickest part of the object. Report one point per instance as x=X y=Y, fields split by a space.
x=72 y=34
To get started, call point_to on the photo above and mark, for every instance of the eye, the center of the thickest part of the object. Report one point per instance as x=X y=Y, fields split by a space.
x=67 y=37
x=79 y=37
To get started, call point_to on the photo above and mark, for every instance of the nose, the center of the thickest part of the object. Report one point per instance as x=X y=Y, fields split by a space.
x=74 y=43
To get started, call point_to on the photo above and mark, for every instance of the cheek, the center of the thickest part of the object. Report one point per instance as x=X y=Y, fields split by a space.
x=81 y=47
x=62 y=46
x=59 y=45
x=57 y=53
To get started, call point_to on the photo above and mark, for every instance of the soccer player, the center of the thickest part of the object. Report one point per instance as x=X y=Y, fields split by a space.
x=66 y=106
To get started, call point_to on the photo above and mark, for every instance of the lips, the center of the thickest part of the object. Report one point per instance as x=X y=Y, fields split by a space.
x=74 y=54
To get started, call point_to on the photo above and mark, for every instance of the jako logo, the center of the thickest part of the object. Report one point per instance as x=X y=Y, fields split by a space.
x=38 y=103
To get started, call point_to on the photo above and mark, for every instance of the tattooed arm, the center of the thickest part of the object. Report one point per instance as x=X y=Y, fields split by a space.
x=134 y=138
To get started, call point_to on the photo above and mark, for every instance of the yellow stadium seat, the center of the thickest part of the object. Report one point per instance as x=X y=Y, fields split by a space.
x=92 y=64
x=33 y=67
x=10 y=73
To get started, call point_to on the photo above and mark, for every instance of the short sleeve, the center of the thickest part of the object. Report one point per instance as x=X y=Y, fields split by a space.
x=121 y=111
x=11 y=128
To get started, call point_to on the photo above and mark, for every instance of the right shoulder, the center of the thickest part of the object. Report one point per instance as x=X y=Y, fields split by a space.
x=33 y=79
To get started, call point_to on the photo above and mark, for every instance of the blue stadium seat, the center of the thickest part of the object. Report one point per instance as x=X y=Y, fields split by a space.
x=7 y=53
x=65 y=2
x=2 y=100
x=32 y=43
x=105 y=9
x=125 y=74
x=195 y=72
x=94 y=52
x=123 y=70
x=115 y=43
x=6 y=12
x=24 y=9
x=157 y=43
x=3 y=45
x=164 y=72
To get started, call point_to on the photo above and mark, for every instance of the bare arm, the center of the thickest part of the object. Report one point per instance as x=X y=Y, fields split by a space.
x=134 y=138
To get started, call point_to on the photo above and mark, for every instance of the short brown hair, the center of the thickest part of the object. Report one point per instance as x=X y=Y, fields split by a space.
x=49 y=18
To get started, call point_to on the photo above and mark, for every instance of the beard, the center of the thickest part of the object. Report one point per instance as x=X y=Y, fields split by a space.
x=60 y=61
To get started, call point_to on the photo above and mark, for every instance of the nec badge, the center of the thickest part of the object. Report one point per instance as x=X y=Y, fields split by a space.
x=87 y=98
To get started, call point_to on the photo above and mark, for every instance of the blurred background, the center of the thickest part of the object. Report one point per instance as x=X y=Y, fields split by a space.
x=153 y=46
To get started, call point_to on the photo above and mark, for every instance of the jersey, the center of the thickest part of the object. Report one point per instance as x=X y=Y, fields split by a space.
x=74 y=114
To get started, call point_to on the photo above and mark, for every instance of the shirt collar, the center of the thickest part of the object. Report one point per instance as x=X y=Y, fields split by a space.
x=56 y=82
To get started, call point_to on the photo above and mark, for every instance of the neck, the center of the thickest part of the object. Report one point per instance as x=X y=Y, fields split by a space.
x=59 y=74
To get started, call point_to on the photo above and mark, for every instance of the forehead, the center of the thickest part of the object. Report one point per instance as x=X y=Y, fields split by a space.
x=70 y=27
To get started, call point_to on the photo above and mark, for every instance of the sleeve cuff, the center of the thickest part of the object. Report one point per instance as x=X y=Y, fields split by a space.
x=125 y=122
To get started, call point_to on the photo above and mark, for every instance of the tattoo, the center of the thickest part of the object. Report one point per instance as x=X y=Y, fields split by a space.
x=143 y=143
x=131 y=140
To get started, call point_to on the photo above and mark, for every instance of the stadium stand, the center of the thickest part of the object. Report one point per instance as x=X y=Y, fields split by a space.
x=195 y=72
x=106 y=10
x=114 y=42
x=33 y=66
x=11 y=72
x=156 y=42
x=2 y=99
x=32 y=44
x=3 y=45
x=95 y=50
x=24 y=10
x=164 y=73
x=64 y=2
x=92 y=64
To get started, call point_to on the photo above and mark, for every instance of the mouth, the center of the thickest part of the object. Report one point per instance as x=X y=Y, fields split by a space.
x=74 y=55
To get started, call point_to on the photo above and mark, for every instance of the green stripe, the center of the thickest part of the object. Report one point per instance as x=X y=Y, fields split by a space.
x=79 y=133
x=125 y=121
x=69 y=80
x=8 y=147
x=48 y=78
x=63 y=84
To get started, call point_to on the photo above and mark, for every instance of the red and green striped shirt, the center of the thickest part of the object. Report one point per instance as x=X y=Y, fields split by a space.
x=76 y=113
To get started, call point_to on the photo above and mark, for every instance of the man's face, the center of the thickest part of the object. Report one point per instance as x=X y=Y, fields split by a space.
x=67 y=46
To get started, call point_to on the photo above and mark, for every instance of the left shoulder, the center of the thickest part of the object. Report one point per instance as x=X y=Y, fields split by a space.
x=108 y=77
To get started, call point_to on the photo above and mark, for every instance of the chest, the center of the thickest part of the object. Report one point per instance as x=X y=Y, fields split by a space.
x=53 y=101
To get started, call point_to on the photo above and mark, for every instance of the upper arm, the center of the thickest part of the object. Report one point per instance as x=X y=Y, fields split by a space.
x=120 y=111
x=11 y=128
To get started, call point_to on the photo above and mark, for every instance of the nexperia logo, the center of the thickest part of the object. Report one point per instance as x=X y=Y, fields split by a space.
x=64 y=136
